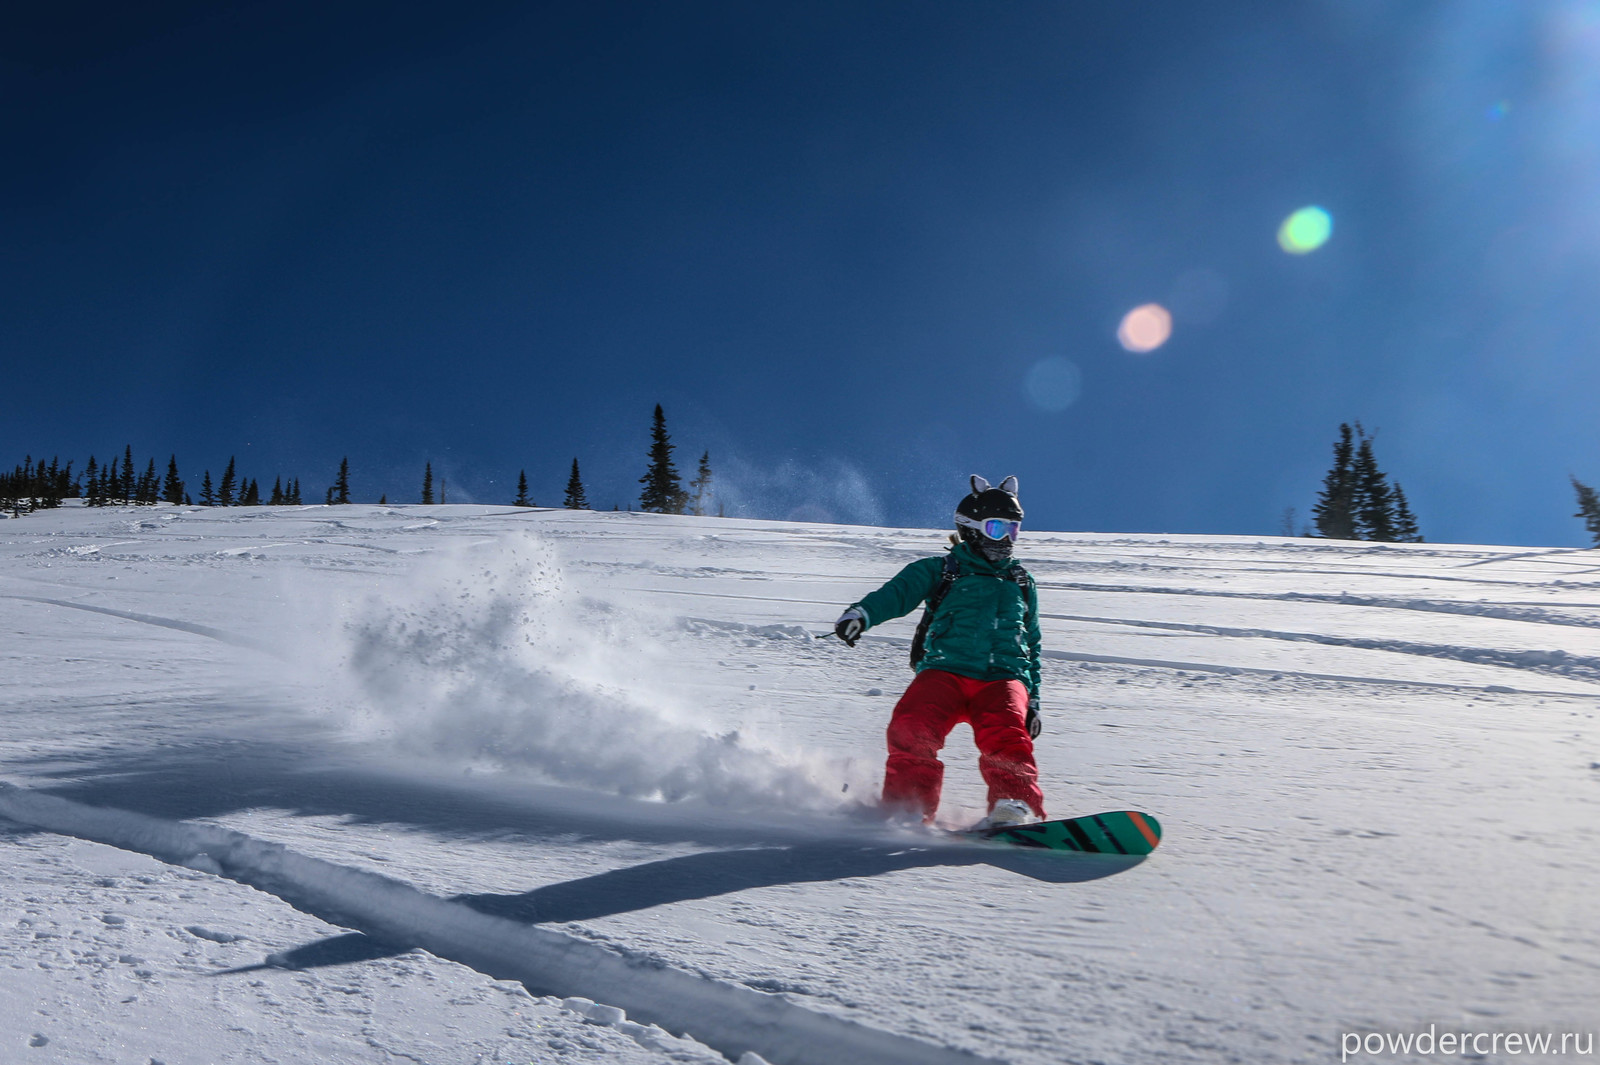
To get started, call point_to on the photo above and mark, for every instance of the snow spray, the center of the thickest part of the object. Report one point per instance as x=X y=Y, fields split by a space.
x=488 y=658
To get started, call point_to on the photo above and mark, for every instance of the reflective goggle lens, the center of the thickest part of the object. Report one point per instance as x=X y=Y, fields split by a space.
x=1000 y=529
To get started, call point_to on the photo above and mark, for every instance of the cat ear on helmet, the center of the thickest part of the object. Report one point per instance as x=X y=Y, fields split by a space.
x=980 y=485
x=1008 y=486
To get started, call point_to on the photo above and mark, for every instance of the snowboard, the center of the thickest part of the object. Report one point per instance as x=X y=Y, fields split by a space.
x=1113 y=832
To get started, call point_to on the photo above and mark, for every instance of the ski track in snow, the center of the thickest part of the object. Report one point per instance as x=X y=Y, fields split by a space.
x=1279 y=673
x=1485 y=610
x=148 y=619
x=1555 y=662
x=736 y=1021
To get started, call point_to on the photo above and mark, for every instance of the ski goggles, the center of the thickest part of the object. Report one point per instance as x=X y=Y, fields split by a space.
x=993 y=528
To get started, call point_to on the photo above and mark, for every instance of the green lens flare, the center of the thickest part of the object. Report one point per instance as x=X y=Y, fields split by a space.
x=1305 y=231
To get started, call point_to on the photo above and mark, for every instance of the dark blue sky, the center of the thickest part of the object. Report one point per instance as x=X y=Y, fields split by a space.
x=835 y=241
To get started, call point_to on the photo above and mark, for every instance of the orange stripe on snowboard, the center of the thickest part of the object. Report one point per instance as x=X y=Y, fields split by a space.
x=1144 y=829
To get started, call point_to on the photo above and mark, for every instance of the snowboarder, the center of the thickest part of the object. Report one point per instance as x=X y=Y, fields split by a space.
x=976 y=654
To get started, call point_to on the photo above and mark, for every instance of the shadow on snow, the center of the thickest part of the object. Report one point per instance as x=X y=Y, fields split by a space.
x=217 y=777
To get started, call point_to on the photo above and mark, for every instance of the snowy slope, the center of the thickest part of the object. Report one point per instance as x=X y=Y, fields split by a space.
x=475 y=784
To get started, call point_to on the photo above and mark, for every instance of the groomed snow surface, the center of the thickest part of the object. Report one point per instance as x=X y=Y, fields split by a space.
x=476 y=784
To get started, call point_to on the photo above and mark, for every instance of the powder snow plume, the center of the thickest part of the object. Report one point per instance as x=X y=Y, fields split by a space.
x=486 y=656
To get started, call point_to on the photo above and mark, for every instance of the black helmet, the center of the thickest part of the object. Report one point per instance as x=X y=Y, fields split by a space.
x=986 y=503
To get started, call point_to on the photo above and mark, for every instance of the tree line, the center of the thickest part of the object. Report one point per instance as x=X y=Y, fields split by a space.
x=1357 y=500
x=36 y=485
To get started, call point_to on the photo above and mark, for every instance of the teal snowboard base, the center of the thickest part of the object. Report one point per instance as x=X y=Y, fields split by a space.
x=1114 y=832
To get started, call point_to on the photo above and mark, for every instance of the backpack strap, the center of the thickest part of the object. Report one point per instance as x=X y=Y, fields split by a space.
x=952 y=570
x=1024 y=580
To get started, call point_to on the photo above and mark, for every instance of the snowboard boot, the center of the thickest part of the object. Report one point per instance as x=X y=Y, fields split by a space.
x=1006 y=812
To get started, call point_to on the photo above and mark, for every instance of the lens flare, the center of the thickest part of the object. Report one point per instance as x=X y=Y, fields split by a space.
x=1305 y=231
x=1054 y=384
x=1145 y=328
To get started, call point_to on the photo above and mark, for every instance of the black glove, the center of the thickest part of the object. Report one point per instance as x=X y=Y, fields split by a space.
x=1034 y=725
x=849 y=627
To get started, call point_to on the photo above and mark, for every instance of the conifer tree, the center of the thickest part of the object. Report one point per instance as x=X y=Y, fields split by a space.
x=701 y=485
x=226 y=485
x=60 y=479
x=23 y=494
x=1375 y=516
x=172 y=489
x=522 y=499
x=276 y=499
x=51 y=489
x=91 y=480
x=36 y=479
x=1357 y=501
x=341 y=487
x=12 y=491
x=576 y=498
x=38 y=487
x=294 y=495
x=1588 y=508
x=1405 y=522
x=1334 y=512
x=208 y=497
x=125 y=490
x=108 y=483
x=252 y=495
x=663 y=492
x=383 y=500
x=149 y=491
x=18 y=493
x=427 y=484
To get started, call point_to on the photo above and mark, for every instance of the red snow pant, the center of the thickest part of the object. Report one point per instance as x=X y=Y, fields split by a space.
x=937 y=702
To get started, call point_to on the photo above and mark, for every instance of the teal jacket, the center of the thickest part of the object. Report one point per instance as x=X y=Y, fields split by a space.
x=987 y=626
